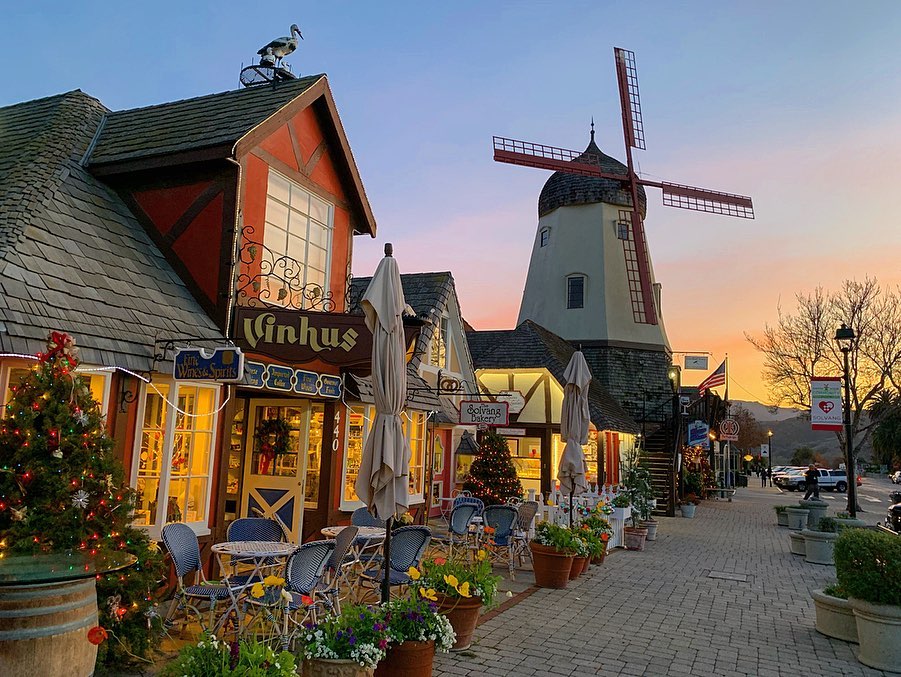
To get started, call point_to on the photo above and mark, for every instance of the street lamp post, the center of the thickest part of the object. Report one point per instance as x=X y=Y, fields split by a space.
x=845 y=336
x=769 y=471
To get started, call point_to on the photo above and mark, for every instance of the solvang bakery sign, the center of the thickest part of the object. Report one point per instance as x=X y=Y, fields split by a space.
x=299 y=336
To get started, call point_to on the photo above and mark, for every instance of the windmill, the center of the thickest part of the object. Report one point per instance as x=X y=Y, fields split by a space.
x=635 y=248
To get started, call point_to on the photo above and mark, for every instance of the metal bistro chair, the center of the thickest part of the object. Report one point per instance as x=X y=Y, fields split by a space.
x=501 y=518
x=525 y=515
x=252 y=529
x=181 y=542
x=407 y=546
x=361 y=517
x=458 y=529
x=336 y=569
x=467 y=499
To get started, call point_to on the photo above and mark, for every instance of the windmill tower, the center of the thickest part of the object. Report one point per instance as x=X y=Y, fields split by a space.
x=590 y=277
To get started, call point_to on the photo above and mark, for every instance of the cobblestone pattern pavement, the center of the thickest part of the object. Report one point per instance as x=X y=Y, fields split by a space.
x=657 y=612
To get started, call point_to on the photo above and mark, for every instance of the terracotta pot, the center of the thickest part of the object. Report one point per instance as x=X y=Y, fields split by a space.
x=599 y=559
x=408 y=659
x=463 y=614
x=552 y=568
x=578 y=567
x=634 y=537
x=334 y=667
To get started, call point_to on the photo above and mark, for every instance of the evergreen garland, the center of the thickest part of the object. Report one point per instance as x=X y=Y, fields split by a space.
x=492 y=475
x=62 y=489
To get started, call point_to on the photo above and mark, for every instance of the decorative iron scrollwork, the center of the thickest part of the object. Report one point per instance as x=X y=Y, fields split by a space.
x=268 y=278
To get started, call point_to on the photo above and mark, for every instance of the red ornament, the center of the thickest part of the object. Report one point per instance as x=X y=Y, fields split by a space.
x=96 y=635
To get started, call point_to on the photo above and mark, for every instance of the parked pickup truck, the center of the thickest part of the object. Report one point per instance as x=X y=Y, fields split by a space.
x=830 y=480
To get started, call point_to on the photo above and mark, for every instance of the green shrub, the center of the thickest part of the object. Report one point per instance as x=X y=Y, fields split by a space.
x=828 y=525
x=835 y=590
x=868 y=565
x=621 y=501
x=780 y=509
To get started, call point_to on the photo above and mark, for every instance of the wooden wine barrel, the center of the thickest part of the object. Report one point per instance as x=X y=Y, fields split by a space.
x=44 y=629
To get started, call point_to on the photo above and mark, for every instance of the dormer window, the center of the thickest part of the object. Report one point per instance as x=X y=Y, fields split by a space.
x=575 y=291
x=544 y=236
x=439 y=354
x=298 y=233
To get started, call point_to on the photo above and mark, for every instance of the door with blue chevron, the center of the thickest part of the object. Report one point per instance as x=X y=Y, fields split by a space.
x=281 y=462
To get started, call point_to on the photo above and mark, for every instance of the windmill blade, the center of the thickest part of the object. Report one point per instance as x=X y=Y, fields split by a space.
x=630 y=102
x=528 y=154
x=703 y=200
x=630 y=230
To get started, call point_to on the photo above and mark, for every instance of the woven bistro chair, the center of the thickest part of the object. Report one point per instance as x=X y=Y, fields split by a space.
x=329 y=589
x=525 y=515
x=407 y=546
x=252 y=529
x=361 y=517
x=458 y=529
x=465 y=499
x=502 y=519
x=181 y=542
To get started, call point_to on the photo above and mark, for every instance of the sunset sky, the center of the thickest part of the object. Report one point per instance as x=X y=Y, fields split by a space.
x=797 y=104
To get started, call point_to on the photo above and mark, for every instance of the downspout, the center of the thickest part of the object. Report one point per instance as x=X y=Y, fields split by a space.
x=233 y=278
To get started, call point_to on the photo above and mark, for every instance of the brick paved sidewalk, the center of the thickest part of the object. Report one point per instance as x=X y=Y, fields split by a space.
x=659 y=612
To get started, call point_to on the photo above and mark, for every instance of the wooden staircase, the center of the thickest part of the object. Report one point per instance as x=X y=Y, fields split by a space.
x=660 y=458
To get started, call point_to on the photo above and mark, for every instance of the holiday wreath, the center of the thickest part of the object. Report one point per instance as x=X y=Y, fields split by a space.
x=272 y=436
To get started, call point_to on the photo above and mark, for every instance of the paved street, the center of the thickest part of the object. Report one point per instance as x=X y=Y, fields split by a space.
x=673 y=610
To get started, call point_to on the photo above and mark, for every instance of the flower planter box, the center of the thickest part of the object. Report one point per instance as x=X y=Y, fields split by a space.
x=463 y=614
x=408 y=659
x=816 y=511
x=782 y=519
x=552 y=568
x=797 y=518
x=797 y=546
x=622 y=514
x=819 y=547
x=879 y=634
x=835 y=618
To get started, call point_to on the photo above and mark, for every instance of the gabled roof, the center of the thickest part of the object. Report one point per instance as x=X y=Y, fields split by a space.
x=72 y=256
x=531 y=346
x=192 y=124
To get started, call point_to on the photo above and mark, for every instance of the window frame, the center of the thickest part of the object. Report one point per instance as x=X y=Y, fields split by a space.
x=442 y=325
x=200 y=527
x=86 y=370
x=544 y=236
x=570 y=279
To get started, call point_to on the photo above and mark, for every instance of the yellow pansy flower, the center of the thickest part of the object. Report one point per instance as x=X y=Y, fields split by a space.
x=429 y=594
x=464 y=589
x=482 y=554
x=257 y=590
x=413 y=573
x=451 y=581
x=273 y=580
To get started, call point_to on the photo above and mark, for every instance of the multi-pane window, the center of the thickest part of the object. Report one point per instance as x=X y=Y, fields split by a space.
x=415 y=431
x=299 y=233
x=545 y=236
x=175 y=455
x=439 y=354
x=575 y=291
x=96 y=379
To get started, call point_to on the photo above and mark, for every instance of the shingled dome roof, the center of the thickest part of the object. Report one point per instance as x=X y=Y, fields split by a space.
x=565 y=190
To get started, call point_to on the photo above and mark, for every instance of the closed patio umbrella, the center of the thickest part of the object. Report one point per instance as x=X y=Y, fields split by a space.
x=574 y=421
x=383 y=481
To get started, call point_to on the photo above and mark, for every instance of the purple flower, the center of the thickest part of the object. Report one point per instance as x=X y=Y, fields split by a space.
x=340 y=634
x=351 y=640
x=383 y=643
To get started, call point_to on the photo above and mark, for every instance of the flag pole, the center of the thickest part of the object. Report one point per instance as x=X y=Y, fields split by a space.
x=730 y=479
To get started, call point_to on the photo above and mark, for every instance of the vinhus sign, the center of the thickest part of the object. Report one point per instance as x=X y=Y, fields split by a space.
x=299 y=336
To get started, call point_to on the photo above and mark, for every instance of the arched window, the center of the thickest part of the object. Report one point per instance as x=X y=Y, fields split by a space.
x=575 y=291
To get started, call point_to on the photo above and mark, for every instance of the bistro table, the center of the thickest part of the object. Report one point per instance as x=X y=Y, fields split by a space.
x=368 y=541
x=258 y=553
x=47 y=605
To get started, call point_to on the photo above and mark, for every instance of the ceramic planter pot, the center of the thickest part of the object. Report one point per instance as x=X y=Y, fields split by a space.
x=329 y=667
x=879 y=633
x=634 y=537
x=599 y=559
x=651 y=526
x=816 y=511
x=408 y=659
x=463 y=614
x=797 y=518
x=552 y=568
x=578 y=567
x=797 y=545
x=782 y=519
x=818 y=546
x=688 y=509
x=835 y=617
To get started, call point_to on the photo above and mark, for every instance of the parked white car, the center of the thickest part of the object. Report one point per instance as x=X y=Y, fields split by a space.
x=895 y=477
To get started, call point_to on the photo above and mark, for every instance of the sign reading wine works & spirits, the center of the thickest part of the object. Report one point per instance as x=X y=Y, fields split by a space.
x=196 y=364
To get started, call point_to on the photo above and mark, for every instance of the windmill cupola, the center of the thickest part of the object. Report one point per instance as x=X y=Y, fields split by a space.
x=565 y=190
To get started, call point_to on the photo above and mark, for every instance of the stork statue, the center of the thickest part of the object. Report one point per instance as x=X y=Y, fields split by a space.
x=273 y=53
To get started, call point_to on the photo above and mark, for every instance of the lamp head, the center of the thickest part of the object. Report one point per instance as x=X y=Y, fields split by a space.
x=844 y=336
x=769 y=433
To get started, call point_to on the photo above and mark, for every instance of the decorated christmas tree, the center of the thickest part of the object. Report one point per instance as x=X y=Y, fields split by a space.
x=492 y=475
x=63 y=490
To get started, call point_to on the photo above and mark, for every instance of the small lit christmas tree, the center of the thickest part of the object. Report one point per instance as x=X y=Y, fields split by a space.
x=62 y=489
x=492 y=475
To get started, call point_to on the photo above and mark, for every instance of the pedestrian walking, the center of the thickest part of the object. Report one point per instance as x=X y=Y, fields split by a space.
x=762 y=474
x=769 y=476
x=812 y=479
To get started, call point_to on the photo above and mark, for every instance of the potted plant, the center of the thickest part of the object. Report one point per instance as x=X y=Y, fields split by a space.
x=819 y=542
x=834 y=615
x=868 y=566
x=781 y=515
x=844 y=520
x=637 y=481
x=459 y=589
x=601 y=531
x=415 y=631
x=688 y=505
x=797 y=517
x=816 y=510
x=621 y=506
x=347 y=645
x=552 y=554
x=217 y=658
x=582 y=552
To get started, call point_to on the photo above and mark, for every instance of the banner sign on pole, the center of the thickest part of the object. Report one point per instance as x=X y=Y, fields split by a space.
x=698 y=434
x=729 y=430
x=474 y=412
x=826 y=403
x=764 y=451
x=696 y=362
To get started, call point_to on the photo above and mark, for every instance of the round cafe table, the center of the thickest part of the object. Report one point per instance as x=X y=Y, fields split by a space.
x=47 y=605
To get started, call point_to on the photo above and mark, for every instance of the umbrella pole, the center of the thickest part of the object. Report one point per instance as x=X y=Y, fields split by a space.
x=571 y=505
x=386 y=578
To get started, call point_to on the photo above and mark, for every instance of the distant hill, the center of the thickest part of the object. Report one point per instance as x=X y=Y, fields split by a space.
x=764 y=413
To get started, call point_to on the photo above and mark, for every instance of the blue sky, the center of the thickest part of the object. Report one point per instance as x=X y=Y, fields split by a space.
x=793 y=103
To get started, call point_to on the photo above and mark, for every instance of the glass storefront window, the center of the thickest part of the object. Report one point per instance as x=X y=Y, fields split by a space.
x=414 y=424
x=525 y=452
x=314 y=454
x=357 y=427
x=590 y=451
x=97 y=382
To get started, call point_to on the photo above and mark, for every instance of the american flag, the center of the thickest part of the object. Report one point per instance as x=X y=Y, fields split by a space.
x=717 y=378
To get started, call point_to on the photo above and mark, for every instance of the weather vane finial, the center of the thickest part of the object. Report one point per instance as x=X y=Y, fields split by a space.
x=592 y=127
x=273 y=53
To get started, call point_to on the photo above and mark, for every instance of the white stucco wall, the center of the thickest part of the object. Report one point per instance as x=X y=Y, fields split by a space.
x=583 y=240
